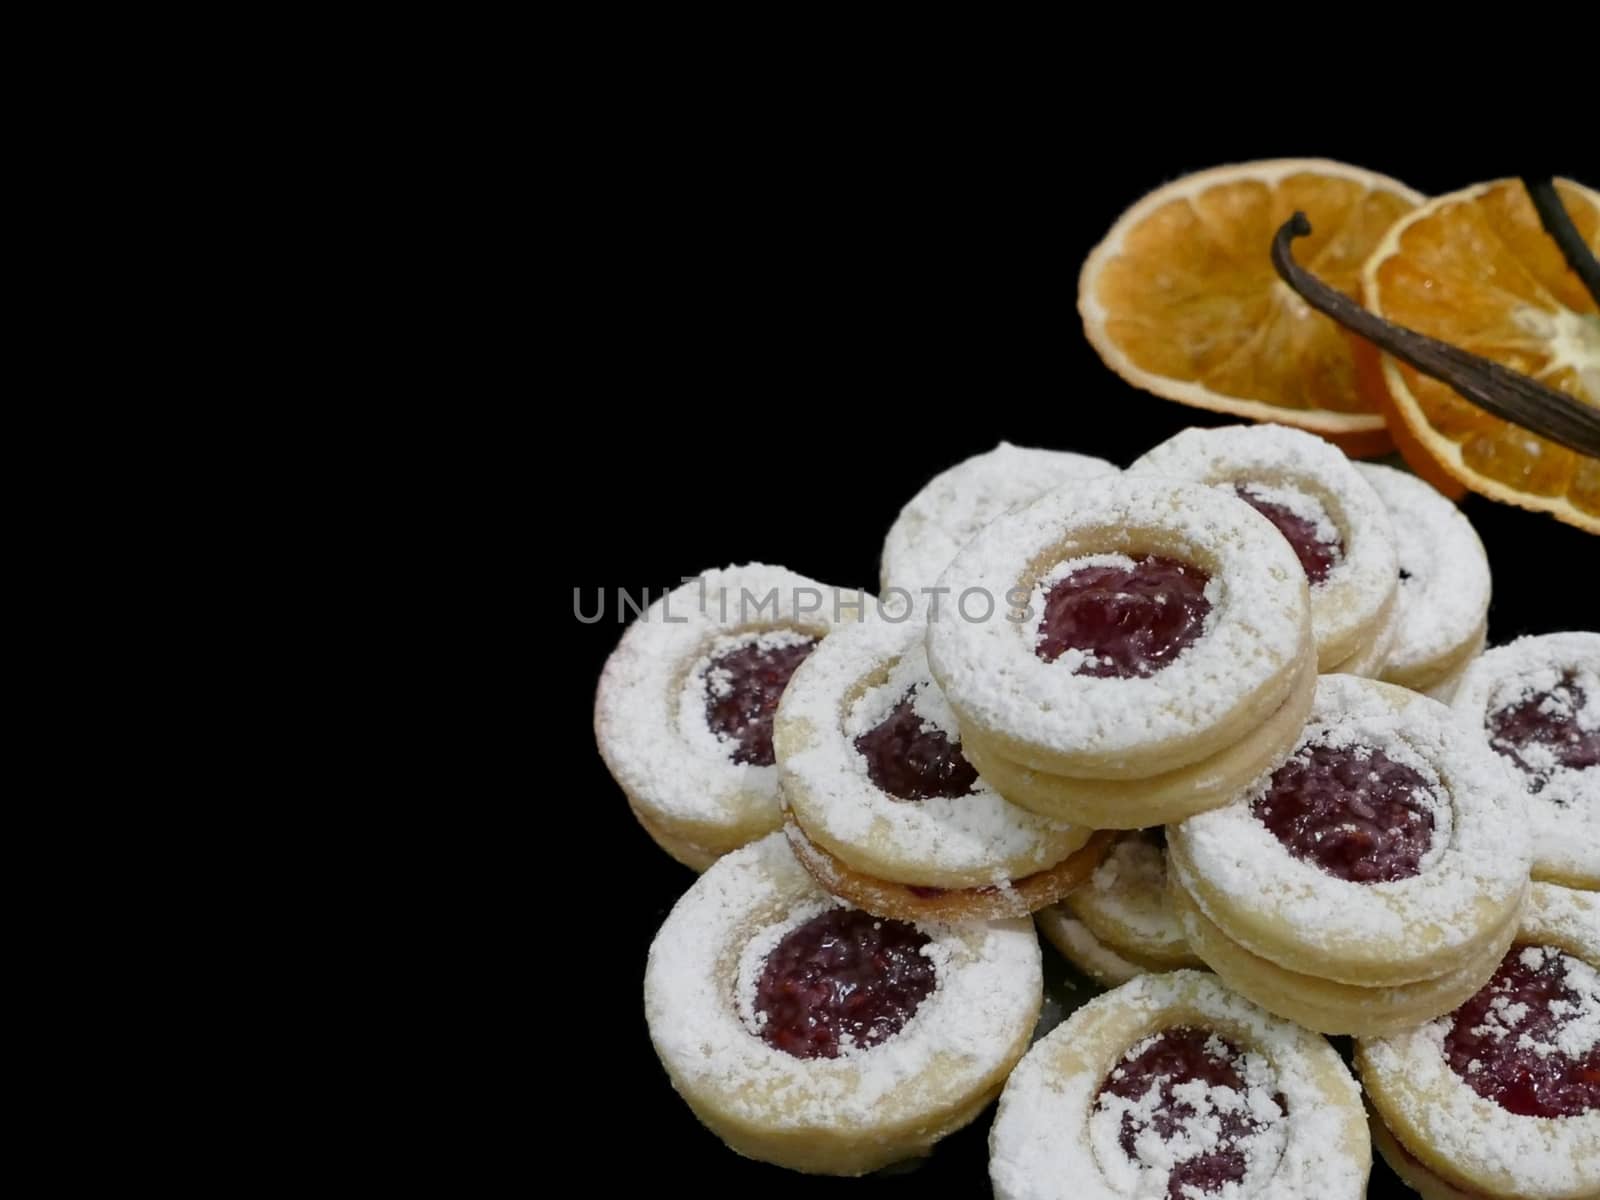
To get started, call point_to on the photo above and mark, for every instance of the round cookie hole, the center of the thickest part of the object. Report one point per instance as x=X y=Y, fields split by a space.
x=1353 y=812
x=1114 y=616
x=839 y=981
x=742 y=680
x=1540 y=730
x=1189 y=1101
x=911 y=758
x=1303 y=522
x=1530 y=1040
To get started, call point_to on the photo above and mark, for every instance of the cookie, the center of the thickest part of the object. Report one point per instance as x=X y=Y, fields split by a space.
x=1371 y=880
x=1536 y=702
x=1501 y=1097
x=1443 y=609
x=683 y=714
x=1172 y=1085
x=817 y=1037
x=1148 y=651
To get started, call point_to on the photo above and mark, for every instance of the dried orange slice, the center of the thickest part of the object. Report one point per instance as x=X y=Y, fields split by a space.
x=1180 y=298
x=1476 y=269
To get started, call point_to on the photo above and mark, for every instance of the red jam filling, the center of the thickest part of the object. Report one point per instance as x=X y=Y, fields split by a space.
x=1354 y=812
x=912 y=759
x=844 y=978
x=743 y=687
x=1541 y=733
x=1316 y=556
x=1177 y=1056
x=1503 y=1042
x=1133 y=620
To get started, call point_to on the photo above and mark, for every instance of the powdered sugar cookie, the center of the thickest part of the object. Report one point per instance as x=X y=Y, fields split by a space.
x=1443 y=611
x=1083 y=950
x=1386 y=851
x=1310 y=492
x=869 y=756
x=683 y=713
x=1537 y=702
x=1126 y=906
x=873 y=777
x=1125 y=903
x=1173 y=1086
x=956 y=503
x=1501 y=1098
x=1140 y=627
x=814 y=1036
x=1120 y=923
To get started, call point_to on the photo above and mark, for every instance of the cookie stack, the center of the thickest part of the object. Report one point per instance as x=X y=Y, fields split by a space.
x=1143 y=707
x=1156 y=656
x=1371 y=882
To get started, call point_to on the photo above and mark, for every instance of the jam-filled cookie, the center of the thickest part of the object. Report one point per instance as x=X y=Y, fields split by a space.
x=1369 y=883
x=1500 y=1099
x=1536 y=701
x=1443 y=614
x=1172 y=1087
x=882 y=805
x=1125 y=652
x=1339 y=528
x=1121 y=922
x=955 y=504
x=818 y=1037
x=683 y=714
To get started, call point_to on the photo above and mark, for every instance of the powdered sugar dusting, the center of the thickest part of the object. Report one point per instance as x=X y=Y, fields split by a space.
x=1307 y=507
x=1425 y=1101
x=1444 y=586
x=1575 y=1027
x=1545 y=1157
x=908 y=674
x=1563 y=802
x=1051 y=1142
x=954 y=505
x=1571 y=695
x=1141 y=1141
x=707 y=679
x=649 y=717
x=1129 y=889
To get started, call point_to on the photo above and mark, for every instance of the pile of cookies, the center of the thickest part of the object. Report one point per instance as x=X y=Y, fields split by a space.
x=1221 y=726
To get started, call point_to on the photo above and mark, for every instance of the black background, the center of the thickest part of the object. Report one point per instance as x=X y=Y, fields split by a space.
x=787 y=331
